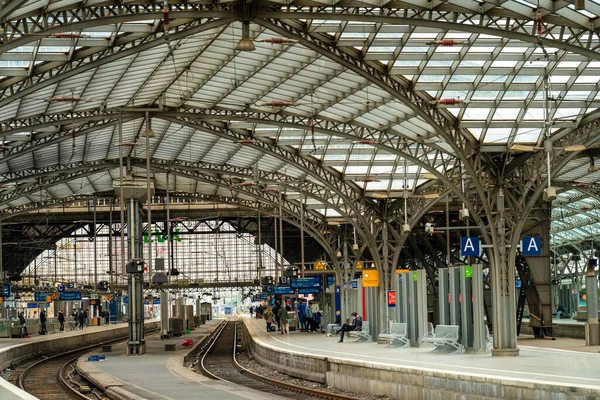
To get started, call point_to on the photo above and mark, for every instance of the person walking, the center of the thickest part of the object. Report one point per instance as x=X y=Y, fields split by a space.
x=251 y=310
x=61 y=319
x=43 y=330
x=23 y=324
x=283 y=321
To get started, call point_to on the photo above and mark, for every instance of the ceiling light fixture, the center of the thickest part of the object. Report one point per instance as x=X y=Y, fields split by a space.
x=245 y=43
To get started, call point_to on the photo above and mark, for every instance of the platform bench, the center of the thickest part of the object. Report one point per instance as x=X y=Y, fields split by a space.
x=362 y=334
x=396 y=335
x=444 y=337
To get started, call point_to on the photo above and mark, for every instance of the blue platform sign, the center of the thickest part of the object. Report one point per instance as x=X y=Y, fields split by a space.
x=284 y=281
x=306 y=283
x=60 y=288
x=41 y=296
x=531 y=246
x=6 y=290
x=71 y=285
x=283 y=290
x=330 y=280
x=125 y=300
x=32 y=305
x=69 y=296
x=156 y=301
x=309 y=291
x=470 y=246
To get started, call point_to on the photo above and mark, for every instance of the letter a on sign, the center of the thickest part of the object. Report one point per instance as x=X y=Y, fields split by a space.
x=470 y=246
x=531 y=246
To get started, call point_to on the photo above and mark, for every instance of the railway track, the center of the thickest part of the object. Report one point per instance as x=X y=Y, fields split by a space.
x=219 y=362
x=52 y=378
x=49 y=379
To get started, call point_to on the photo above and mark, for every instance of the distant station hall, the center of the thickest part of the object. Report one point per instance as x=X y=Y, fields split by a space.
x=299 y=199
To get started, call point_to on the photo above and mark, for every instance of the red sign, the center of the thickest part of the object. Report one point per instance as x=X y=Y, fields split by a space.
x=391 y=298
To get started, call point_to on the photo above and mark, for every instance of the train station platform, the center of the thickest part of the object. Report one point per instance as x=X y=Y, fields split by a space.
x=412 y=373
x=14 y=350
x=160 y=374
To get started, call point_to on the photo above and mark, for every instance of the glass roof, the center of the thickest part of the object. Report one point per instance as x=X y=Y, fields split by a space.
x=472 y=65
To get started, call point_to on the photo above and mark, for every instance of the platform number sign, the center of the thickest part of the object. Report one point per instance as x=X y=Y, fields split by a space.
x=470 y=246
x=60 y=288
x=71 y=285
x=531 y=246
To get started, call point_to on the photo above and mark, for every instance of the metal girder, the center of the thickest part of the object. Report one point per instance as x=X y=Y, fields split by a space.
x=506 y=26
x=11 y=89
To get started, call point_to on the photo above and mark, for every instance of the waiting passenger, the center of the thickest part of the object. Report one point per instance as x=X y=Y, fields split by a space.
x=336 y=324
x=23 y=324
x=355 y=326
x=251 y=311
x=81 y=319
x=43 y=330
x=276 y=314
x=283 y=320
x=308 y=318
x=560 y=310
x=268 y=315
x=61 y=319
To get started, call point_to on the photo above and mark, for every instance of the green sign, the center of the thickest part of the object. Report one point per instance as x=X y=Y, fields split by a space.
x=162 y=238
x=468 y=271
x=415 y=276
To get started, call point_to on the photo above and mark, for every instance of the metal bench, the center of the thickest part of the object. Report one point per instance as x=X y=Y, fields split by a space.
x=396 y=335
x=444 y=337
x=362 y=334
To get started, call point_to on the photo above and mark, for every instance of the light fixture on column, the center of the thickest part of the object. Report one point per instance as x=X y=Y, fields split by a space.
x=245 y=43
x=592 y=167
x=406 y=225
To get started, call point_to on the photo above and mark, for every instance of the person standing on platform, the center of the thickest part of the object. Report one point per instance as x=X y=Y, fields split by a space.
x=308 y=318
x=85 y=317
x=276 y=314
x=23 y=323
x=251 y=310
x=283 y=320
x=61 y=319
x=106 y=317
x=268 y=315
x=302 y=315
x=81 y=319
x=43 y=330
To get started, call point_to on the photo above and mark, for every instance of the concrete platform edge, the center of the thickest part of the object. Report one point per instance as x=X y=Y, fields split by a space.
x=407 y=382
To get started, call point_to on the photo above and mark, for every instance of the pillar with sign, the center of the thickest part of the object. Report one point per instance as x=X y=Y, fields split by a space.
x=135 y=278
x=411 y=304
x=370 y=312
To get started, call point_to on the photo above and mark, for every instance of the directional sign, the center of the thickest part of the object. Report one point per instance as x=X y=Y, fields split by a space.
x=5 y=290
x=71 y=285
x=69 y=296
x=283 y=290
x=531 y=246
x=301 y=283
x=269 y=288
x=60 y=288
x=41 y=296
x=470 y=246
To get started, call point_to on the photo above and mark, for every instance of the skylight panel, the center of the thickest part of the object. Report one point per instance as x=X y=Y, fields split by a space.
x=477 y=114
x=507 y=114
x=497 y=135
x=585 y=79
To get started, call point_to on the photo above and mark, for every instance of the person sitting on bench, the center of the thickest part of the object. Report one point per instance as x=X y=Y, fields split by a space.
x=356 y=326
x=336 y=324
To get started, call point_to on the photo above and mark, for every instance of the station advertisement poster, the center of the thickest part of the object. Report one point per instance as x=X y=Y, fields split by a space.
x=70 y=296
x=391 y=298
x=306 y=283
